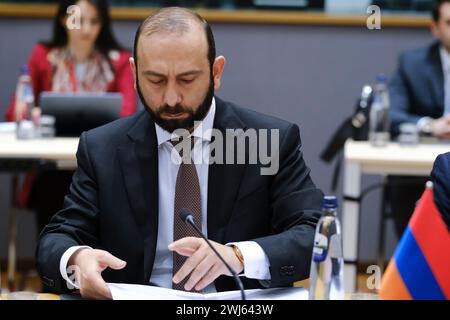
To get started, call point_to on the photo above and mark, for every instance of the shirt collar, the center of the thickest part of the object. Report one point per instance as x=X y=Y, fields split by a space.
x=202 y=131
x=445 y=59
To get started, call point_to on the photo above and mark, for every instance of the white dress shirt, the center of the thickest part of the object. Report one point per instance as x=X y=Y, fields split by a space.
x=445 y=59
x=256 y=262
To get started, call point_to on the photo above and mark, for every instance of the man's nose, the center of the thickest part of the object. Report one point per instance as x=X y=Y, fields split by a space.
x=172 y=96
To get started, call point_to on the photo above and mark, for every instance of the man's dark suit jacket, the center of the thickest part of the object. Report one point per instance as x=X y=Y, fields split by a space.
x=417 y=88
x=440 y=176
x=113 y=202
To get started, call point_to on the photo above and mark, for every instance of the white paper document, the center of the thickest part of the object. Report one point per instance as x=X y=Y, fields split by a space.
x=122 y=291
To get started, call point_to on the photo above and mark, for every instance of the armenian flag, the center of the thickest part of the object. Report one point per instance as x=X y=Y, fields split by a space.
x=420 y=267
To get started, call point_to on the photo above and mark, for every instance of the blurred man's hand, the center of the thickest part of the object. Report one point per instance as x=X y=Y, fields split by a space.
x=441 y=127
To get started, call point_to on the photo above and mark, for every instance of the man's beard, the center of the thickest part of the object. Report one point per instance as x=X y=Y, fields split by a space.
x=171 y=125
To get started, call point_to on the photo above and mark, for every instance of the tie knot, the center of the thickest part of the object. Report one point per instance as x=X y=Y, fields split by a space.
x=184 y=145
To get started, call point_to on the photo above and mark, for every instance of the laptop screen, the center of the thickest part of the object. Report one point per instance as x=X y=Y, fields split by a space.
x=78 y=112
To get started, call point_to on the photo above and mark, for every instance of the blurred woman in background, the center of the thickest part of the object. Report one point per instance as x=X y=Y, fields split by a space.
x=82 y=56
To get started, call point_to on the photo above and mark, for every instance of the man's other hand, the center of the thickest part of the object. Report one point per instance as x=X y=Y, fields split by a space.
x=90 y=263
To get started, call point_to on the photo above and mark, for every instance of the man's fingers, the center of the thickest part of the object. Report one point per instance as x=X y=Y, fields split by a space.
x=186 y=246
x=188 y=242
x=199 y=272
x=190 y=264
x=209 y=277
x=91 y=263
x=95 y=287
x=100 y=286
x=106 y=259
x=187 y=252
x=202 y=266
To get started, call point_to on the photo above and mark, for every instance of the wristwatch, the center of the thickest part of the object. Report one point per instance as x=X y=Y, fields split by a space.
x=238 y=254
x=425 y=126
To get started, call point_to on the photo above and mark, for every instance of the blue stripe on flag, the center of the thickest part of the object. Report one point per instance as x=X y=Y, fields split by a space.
x=414 y=270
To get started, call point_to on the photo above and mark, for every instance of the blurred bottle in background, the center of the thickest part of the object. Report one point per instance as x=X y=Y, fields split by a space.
x=379 y=120
x=27 y=116
x=327 y=263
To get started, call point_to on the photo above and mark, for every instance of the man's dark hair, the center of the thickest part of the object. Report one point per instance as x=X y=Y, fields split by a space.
x=436 y=11
x=175 y=20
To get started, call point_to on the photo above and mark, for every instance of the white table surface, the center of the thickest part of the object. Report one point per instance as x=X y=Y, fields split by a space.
x=360 y=157
x=61 y=150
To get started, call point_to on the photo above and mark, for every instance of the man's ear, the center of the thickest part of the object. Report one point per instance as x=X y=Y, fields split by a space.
x=435 y=30
x=218 y=66
x=133 y=69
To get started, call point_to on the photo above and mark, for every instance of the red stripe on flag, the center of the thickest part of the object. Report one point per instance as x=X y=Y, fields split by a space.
x=433 y=238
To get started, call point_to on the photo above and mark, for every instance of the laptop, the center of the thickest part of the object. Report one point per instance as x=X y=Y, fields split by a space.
x=78 y=112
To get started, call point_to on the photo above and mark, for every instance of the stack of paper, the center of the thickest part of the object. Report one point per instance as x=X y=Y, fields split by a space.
x=121 y=291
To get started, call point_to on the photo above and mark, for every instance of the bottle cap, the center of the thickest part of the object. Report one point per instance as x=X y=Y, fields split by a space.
x=381 y=78
x=329 y=202
x=24 y=70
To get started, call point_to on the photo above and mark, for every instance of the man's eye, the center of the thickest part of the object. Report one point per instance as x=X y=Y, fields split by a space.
x=156 y=82
x=187 y=80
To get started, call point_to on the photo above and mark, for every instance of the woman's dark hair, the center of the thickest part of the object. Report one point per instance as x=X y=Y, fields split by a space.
x=105 y=40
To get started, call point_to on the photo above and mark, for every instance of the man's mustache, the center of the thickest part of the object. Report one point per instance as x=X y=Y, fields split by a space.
x=178 y=108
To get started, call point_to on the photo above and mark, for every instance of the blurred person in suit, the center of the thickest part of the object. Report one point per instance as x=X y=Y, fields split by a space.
x=440 y=176
x=420 y=94
x=79 y=58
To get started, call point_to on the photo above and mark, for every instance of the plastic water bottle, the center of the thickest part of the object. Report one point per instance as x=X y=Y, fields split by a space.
x=327 y=263
x=24 y=105
x=379 y=122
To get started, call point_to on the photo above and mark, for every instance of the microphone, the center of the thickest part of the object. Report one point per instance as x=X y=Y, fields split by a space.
x=187 y=217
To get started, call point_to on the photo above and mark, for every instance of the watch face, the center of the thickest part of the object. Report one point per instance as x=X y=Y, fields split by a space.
x=427 y=128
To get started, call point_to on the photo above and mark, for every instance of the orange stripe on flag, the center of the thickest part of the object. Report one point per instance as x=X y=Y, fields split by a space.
x=392 y=286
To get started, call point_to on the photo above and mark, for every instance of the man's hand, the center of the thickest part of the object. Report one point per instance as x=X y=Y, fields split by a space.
x=90 y=264
x=441 y=127
x=203 y=262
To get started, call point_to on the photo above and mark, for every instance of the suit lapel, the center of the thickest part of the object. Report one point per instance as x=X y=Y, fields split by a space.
x=437 y=76
x=139 y=165
x=223 y=180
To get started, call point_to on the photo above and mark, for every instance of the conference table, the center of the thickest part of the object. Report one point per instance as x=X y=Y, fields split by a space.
x=60 y=150
x=17 y=156
x=29 y=296
x=360 y=158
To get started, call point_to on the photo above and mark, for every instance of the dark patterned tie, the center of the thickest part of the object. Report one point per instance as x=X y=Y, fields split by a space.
x=187 y=195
